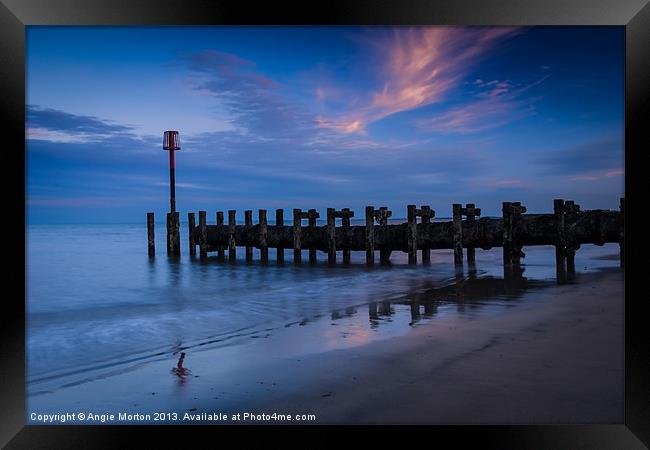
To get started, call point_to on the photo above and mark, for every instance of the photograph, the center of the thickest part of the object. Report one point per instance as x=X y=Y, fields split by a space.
x=310 y=225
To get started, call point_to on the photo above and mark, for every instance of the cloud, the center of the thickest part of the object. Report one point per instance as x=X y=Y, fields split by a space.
x=60 y=126
x=423 y=64
x=586 y=160
x=497 y=104
x=615 y=173
x=253 y=100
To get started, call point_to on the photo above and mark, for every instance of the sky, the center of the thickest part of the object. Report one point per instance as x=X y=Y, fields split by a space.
x=318 y=117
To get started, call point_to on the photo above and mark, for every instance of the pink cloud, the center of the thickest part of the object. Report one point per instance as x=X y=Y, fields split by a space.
x=599 y=176
x=498 y=104
x=422 y=65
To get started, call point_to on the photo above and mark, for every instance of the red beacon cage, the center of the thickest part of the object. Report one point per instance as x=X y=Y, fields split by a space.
x=171 y=140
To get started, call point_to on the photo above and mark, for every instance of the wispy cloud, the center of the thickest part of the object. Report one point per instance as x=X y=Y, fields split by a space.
x=60 y=126
x=422 y=66
x=615 y=173
x=498 y=103
x=254 y=101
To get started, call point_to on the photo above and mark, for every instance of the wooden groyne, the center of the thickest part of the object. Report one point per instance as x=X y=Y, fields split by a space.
x=566 y=228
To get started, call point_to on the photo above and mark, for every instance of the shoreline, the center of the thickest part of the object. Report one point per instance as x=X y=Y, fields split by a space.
x=555 y=357
x=557 y=362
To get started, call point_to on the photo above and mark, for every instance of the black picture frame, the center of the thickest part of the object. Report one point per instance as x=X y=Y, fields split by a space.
x=15 y=15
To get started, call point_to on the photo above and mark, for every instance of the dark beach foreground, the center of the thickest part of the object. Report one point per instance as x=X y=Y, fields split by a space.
x=556 y=359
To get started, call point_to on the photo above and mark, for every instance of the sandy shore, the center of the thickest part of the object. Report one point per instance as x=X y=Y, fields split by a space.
x=557 y=358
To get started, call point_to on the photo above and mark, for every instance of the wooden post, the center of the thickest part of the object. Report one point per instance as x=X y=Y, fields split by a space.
x=331 y=236
x=571 y=211
x=458 y=233
x=297 y=245
x=264 y=249
x=426 y=214
x=507 y=233
x=621 y=245
x=345 y=225
x=370 y=237
x=382 y=217
x=190 y=228
x=173 y=235
x=560 y=244
x=311 y=215
x=516 y=210
x=471 y=211
x=248 y=224
x=203 y=234
x=221 y=253
x=412 y=238
x=232 y=245
x=151 y=241
x=170 y=251
x=279 y=222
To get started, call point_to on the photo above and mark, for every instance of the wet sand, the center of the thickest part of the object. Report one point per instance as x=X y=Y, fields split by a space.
x=556 y=358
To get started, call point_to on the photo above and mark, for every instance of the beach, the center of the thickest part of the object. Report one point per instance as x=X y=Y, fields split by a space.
x=559 y=359
x=480 y=349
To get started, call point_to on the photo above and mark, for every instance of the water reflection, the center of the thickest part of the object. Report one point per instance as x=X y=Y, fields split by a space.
x=467 y=292
x=180 y=371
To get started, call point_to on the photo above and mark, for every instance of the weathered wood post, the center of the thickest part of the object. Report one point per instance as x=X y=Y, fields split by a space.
x=458 y=233
x=621 y=244
x=516 y=210
x=264 y=249
x=221 y=252
x=191 y=225
x=297 y=229
x=311 y=215
x=232 y=245
x=203 y=235
x=370 y=237
x=412 y=235
x=173 y=234
x=151 y=241
x=427 y=214
x=560 y=244
x=279 y=222
x=345 y=215
x=571 y=211
x=382 y=219
x=507 y=233
x=248 y=224
x=331 y=236
x=471 y=211
x=512 y=252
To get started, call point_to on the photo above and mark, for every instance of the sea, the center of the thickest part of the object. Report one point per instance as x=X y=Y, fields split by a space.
x=98 y=306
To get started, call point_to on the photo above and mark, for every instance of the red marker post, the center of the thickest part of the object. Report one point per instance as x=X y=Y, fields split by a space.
x=172 y=143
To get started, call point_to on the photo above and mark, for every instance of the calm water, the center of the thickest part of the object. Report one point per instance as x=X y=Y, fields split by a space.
x=97 y=305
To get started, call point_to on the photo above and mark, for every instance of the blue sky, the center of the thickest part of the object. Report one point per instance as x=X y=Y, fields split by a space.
x=317 y=117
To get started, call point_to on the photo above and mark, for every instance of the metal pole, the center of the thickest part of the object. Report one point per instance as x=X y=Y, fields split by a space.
x=172 y=178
